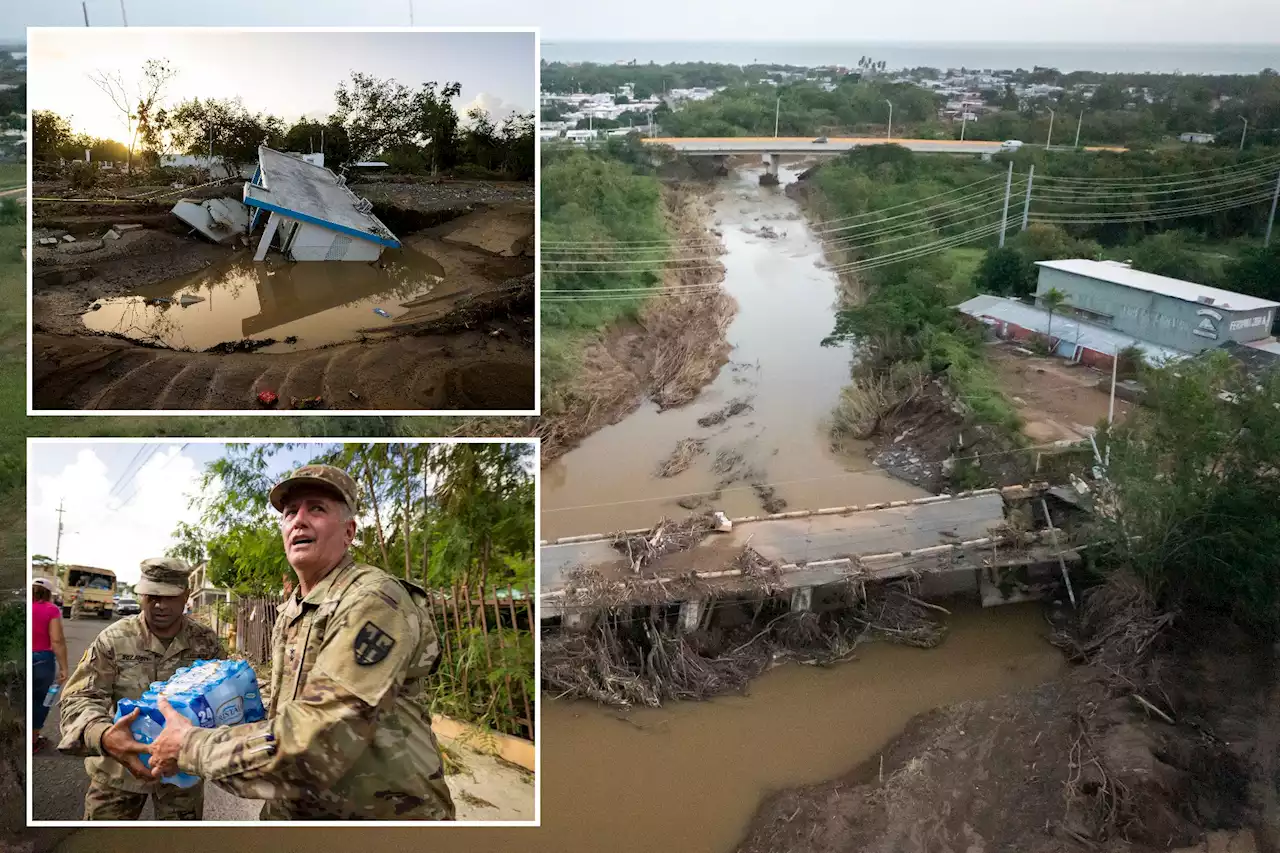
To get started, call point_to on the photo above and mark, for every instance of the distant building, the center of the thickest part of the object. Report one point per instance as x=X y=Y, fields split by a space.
x=1164 y=311
x=1198 y=138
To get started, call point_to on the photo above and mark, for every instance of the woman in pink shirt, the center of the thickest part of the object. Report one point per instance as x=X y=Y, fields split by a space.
x=49 y=654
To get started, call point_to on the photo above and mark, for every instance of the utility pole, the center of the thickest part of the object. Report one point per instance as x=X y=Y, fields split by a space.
x=1004 y=217
x=84 y=7
x=777 y=113
x=1026 y=205
x=1111 y=406
x=890 y=103
x=57 y=548
x=1079 y=124
x=210 y=148
x=1272 y=221
x=964 y=122
x=1048 y=143
x=123 y=15
x=1243 y=132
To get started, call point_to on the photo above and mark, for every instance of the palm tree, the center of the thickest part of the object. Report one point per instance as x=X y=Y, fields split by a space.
x=1053 y=300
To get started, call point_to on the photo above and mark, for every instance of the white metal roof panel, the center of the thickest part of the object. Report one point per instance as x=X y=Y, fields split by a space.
x=294 y=187
x=1163 y=285
x=1064 y=327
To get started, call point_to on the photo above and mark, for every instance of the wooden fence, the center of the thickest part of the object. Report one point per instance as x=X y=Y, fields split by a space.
x=485 y=674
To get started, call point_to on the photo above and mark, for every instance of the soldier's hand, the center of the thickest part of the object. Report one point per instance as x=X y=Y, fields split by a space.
x=118 y=742
x=165 y=748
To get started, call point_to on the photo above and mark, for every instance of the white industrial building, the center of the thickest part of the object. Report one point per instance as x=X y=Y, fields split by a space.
x=311 y=213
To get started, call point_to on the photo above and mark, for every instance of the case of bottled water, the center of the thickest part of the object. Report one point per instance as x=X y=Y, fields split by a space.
x=209 y=693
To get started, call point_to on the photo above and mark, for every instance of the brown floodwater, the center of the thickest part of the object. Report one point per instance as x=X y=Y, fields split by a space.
x=786 y=305
x=319 y=303
x=690 y=776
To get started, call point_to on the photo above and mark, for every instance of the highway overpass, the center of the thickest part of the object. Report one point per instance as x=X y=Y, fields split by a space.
x=771 y=147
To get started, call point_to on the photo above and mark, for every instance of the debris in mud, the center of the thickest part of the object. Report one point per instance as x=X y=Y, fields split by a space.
x=268 y=397
x=292 y=339
x=666 y=537
x=187 y=299
x=243 y=345
x=727 y=459
x=624 y=661
x=768 y=497
x=732 y=408
x=306 y=402
x=686 y=450
x=692 y=502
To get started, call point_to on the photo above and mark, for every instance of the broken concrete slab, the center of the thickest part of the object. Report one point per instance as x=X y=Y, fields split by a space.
x=82 y=247
x=48 y=241
x=111 y=234
x=221 y=220
x=67 y=238
x=122 y=228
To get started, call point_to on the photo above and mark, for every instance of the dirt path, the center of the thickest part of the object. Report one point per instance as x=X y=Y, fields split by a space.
x=1056 y=399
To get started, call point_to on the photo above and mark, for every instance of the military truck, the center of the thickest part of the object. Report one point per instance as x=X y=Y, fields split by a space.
x=94 y=590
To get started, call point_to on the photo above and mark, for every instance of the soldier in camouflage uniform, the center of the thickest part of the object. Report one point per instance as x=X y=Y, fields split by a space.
x=344 y=738
x=121 y=663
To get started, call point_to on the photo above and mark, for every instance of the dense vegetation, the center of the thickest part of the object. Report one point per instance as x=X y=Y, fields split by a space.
x=593 y=200
x=416 y=130
x=1192 y=481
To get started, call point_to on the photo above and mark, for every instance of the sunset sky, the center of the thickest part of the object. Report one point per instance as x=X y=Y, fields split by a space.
x=288 y=74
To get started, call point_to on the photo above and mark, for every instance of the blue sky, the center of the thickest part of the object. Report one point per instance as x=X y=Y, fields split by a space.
x=288 y=74
x=1225 y=21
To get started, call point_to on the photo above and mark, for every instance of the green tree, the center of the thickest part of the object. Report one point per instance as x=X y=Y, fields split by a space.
x=1257 y=273
x=305 y=136
x=140 y=104
x=1191 y=491
x=1170 y=253
x=1003 y=272
x=234 y=132
x=1052 y=299
x=51 y=136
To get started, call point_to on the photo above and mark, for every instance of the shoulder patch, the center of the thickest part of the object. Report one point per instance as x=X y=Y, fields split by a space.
x=372 y=645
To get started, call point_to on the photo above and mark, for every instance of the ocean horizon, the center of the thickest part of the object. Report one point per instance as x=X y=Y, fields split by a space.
x=1065 y=56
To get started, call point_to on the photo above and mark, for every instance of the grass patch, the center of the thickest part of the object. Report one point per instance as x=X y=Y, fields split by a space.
x=13 y=175
x=964 y=261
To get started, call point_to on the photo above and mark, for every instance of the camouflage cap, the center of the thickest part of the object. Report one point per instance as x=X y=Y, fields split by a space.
x=163 y=576
x=323 y=476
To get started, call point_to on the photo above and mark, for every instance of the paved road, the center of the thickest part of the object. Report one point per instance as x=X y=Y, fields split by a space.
x=58 y=782
x=833 y=145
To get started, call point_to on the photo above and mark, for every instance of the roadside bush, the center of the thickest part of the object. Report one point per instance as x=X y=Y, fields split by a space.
x=10 y=211
x=83 y=176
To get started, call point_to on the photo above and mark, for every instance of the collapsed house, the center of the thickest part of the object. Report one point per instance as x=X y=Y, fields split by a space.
x=310 y=213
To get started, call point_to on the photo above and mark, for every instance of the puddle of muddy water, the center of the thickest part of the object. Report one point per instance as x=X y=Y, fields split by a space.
x=318 y=303
x=690 y=776
x=786 y=306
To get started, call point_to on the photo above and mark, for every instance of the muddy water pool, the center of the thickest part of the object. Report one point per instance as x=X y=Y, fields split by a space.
x=317 y=303
x=778 y=368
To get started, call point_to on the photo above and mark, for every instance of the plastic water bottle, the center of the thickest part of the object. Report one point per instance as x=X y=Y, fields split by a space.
x=208 y=693
x=52 y=696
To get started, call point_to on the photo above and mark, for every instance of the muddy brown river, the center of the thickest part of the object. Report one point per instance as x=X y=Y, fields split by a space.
x=317 y=303
x=786 y=305
x=689 y=777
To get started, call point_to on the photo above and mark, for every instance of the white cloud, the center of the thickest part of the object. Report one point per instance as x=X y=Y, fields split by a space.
x=119 y=531
x=497 y=108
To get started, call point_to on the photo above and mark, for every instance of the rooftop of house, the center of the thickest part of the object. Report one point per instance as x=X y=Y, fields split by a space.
x=294 y=187
x=1188 y=291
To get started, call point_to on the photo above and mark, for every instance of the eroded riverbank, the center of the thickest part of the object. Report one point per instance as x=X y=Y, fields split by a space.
x=762 y=420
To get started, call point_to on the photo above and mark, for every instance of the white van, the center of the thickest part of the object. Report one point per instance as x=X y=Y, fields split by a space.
x=1011 y=145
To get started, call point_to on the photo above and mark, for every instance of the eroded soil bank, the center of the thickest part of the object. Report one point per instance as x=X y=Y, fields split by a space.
x=676 y=346
x=158 y=319
x=1109 y=757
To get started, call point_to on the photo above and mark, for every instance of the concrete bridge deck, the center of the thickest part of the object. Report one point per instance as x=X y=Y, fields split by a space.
x=811 y=548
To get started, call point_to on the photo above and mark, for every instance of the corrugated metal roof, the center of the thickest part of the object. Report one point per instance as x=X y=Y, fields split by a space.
x=1064 y=327
x=1176 y=288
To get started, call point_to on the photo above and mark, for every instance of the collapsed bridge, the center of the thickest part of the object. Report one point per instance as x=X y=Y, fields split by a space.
x=991 y=539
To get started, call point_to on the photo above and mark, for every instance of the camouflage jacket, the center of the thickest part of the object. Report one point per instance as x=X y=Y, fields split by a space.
x=121 y=663
x=344 y=738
